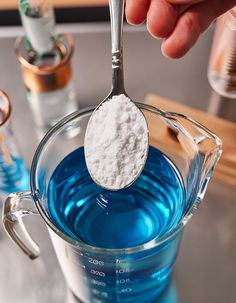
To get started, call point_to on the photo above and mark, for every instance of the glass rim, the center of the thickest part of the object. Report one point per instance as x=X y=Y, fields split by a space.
x=110 y=251
x=7 y=114
x=68 y=53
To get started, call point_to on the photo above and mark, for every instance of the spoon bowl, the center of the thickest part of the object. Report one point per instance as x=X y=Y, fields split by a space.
x=131 y=132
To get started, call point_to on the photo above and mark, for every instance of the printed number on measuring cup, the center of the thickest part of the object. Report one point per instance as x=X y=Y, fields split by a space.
x=123 y=281
x=100 y=293
x=97 y=273
x=96 y=262
x=122 y=270
x=125 y=290
x=95 y=282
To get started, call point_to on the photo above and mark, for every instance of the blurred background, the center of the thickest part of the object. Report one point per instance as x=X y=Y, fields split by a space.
x=66 y=11
x=92 y=15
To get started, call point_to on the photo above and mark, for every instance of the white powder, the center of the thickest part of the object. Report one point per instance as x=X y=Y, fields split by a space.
x=116 y=143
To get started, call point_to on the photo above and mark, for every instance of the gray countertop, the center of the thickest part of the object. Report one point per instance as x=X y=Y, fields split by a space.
x=206 y=264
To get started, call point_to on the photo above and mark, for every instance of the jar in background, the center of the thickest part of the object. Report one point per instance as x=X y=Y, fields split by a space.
x=222 y=62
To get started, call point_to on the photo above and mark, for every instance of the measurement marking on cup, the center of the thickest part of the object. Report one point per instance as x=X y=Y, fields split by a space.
x=77 y=262
x=96 y=262
x=103 y=294
x=123 y=281
x=95 y=291
x=72 y=254
x=72 y=251
x=99 y=283
x=120 y=261
x=122 y=271
x=97 y=272
x=125 y=290
x=76 y=252
x=123 y=268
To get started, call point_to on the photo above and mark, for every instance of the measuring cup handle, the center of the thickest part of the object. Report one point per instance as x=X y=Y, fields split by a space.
x=16 y=206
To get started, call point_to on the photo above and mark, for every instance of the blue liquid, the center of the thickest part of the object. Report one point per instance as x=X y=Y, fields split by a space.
x=14 y=176
x=146 y=210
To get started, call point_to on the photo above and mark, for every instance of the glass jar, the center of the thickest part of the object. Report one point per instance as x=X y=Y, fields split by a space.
x=222 y=63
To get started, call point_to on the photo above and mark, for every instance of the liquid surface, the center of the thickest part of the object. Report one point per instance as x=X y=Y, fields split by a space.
x=148 y=209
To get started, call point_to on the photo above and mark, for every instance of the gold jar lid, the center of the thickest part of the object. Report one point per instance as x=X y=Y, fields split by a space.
x=5 y=107
x=51 y=77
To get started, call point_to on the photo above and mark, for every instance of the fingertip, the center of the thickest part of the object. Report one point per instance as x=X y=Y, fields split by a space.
x=161 y=19
x=136 y=11
x=166 y=53
x=135 y=19
x=172 y=51
x=155 y=30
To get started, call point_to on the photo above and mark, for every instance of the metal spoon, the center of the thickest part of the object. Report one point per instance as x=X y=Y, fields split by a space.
x=117 y=15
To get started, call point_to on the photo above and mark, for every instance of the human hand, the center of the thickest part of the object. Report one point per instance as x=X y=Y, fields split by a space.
x=178 y=22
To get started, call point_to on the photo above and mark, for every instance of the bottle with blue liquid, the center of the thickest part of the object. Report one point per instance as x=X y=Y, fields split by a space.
x=14 y=175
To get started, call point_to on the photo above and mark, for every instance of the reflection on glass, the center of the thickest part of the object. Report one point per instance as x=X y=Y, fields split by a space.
x=14 y=174
x=170 y=295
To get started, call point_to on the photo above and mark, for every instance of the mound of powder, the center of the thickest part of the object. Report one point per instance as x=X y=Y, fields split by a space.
x=116 y=143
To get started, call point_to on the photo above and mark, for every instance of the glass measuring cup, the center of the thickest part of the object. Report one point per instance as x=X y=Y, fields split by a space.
x=136 y=274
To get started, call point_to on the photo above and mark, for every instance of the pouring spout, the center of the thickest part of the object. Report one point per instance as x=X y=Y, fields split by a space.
x=203 y=147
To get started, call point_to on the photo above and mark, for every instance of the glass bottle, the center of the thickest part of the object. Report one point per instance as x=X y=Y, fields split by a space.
x=38 y=20
x=14 y=174
x=222 y=63
x=46 y=64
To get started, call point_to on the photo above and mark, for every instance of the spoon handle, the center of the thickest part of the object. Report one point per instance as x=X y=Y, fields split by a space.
x=117 y=15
